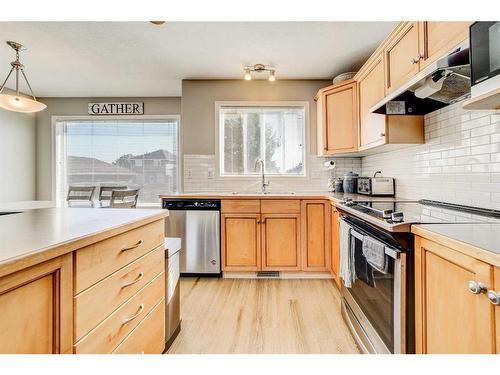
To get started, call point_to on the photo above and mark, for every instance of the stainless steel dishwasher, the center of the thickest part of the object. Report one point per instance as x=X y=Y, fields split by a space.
x=197 y=223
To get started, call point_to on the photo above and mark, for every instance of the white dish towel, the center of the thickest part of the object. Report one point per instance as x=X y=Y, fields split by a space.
x=347 y=272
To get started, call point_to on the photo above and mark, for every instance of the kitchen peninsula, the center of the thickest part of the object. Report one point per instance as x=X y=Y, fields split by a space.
x=83 y=270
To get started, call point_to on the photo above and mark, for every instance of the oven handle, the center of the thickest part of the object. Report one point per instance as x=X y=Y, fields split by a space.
x=389 y=251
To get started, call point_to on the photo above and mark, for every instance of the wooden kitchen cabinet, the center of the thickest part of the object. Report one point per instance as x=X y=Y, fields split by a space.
x=241 y=242
x=36 y=308
x=337 y=116
x=316 y=235
x=449 y=317
x=402 y=55
x=281 y=242
x=377 y=129
x=439 y=37
x=335 y=247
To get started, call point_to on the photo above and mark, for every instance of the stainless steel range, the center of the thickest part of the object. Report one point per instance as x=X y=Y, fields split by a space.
x=378 y=304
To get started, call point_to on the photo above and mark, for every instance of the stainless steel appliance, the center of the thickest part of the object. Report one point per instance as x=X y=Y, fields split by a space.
x=443 y=82
x=172 y=290
x=381 y=186
x=379 y=306
x=197 y=223
x=484 y=57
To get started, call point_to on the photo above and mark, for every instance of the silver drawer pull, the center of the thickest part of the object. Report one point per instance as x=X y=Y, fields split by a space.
x=137 y=279
x=476 y=287
x=494 y=297
x=139 y=312
x=132 y=247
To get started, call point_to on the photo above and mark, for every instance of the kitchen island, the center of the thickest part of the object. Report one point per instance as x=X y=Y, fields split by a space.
x=82 y=280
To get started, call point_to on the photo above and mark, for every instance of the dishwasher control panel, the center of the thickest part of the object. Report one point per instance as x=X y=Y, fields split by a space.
x=191 y=204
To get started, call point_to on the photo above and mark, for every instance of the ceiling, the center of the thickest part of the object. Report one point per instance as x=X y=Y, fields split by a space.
x=99 y=59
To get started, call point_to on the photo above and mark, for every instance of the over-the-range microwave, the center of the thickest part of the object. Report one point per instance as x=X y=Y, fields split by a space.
x=484 y=57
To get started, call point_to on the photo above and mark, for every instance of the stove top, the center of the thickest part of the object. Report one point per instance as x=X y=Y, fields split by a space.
x=397 y=216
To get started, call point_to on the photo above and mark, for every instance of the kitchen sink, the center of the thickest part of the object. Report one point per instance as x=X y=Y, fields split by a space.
x=261 y=193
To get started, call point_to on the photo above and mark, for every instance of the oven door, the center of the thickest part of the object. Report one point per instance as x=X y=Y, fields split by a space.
x=377 y=299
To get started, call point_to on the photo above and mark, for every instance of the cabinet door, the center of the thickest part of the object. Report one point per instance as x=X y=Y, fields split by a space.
x=240 y=238
x=371 y=91
x=316 y=234
x=402 y=55
x=450 y=318
x=439 y=37
x=281 y=242
x=340 y=119
x=335 y=246
x=36 y=309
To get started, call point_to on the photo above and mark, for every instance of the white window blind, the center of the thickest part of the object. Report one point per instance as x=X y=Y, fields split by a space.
x=274 y=134
x=138 y=154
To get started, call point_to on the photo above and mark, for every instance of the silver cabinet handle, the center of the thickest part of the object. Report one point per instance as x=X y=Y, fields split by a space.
x=494 y=297
x=416 y=59
x=136 y=280
x=139 y=312
x=139 y=243
x=382 y=134
x=476 y=287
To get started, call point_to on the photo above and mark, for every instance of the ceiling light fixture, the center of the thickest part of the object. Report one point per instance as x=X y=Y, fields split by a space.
x=260 y=68
x=157 y=23
x=18 y=102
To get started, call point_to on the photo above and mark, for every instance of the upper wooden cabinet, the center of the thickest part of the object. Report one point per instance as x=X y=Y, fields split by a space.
x=337 y=115
x=439 y=37
x=36 y=307
x=449 y=317
x=377 y=129
x=371 y=91
x=402 y=55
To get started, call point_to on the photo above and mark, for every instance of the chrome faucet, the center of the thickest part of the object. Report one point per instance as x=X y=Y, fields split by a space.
x=264 y=184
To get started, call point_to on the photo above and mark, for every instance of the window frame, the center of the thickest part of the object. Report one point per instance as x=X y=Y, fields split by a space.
x=55 y=145
x=218 y=134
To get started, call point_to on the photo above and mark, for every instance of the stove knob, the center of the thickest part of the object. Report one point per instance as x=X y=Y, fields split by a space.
x=196 y=204
x=397 y=217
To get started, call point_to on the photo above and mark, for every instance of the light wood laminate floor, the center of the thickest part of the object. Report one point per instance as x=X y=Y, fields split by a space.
x=224 y=316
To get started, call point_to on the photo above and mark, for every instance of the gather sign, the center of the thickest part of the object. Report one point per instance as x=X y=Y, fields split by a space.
x=136 y=108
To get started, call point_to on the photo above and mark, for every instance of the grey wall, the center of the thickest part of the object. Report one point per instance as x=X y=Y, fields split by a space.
x=75 y=107
x=199 y=97
x=17 y=156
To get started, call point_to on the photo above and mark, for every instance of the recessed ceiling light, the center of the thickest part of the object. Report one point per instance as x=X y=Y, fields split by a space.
x=157 y=23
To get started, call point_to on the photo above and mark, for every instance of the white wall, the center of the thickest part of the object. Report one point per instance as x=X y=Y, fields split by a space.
x=17 y=156
x=459 y=162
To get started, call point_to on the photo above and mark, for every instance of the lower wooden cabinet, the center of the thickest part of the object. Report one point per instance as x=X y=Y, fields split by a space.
x=241 y=242
x=281 y=242
x=315 y=235
x=449 y=317
x=335 y=257
x=286 y=235
x=36 y=309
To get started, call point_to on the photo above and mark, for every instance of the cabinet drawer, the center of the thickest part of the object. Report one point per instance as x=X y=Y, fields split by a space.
x=94 y=304
x=280 y=206
x=148 y=337
x=107 y=335
x=95 y=262
x=251 y=206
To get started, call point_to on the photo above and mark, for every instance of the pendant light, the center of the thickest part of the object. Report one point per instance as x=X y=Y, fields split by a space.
x=18 y=102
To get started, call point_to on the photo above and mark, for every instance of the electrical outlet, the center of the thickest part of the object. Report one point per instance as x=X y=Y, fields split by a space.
x=189 y=174
x=210 y=174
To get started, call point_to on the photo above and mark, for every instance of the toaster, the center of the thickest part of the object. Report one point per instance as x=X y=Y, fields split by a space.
x=376 y=186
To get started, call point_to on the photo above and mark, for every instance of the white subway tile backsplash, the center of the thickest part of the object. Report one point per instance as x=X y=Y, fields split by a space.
x=203 y=176
x=459 y=162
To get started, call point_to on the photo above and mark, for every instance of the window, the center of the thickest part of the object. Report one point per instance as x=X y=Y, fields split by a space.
x=138 y=154
x=275 y=134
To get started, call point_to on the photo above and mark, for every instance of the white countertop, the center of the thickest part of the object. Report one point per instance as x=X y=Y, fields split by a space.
x=41 y=234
